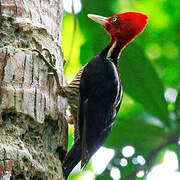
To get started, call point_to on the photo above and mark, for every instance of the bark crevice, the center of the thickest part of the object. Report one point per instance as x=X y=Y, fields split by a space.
x=33 y=128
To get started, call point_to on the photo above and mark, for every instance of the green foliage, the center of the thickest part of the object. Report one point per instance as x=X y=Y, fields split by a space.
x=143 y=136
x=177 y=107
x=142 y=82
x=148 y=67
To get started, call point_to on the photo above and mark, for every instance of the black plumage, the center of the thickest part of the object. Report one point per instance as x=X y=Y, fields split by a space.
x=99 y=102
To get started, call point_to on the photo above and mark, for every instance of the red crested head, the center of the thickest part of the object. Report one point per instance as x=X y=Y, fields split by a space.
x=124 y=27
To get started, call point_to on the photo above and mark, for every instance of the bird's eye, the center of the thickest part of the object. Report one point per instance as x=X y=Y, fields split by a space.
x=114 y=19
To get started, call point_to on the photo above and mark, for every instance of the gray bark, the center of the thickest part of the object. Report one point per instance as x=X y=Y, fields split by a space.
x=32 y=116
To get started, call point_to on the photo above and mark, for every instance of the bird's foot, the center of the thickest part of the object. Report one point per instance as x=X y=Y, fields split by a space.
x=50 y=64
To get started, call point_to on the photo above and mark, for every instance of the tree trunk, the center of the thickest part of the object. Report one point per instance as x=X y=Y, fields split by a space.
x=33 y=130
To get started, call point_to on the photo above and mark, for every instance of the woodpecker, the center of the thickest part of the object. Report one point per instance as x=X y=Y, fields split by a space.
x=100 y=91
x=96 y=92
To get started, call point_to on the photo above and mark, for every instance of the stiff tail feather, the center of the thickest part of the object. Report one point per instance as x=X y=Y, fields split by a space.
x=72 y=158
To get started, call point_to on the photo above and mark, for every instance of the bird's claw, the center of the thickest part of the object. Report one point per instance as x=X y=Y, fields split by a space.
x=51 y=65
x=51 y=57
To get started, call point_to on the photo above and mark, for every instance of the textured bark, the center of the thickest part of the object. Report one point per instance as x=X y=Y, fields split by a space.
x=33 y=130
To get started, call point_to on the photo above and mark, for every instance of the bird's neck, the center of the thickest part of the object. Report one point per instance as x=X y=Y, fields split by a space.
x=113 y=50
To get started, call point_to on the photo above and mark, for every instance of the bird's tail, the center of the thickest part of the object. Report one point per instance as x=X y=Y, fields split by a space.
x=72 y=158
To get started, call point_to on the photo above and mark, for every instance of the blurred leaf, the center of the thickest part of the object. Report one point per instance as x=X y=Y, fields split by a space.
x=143 y=136
x=129 y=107
x=163 y=20
x=177 y=106
x=105 y=175
x=141 y=81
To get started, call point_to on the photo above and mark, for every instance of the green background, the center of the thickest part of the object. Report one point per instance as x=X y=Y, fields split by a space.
x=149 y=68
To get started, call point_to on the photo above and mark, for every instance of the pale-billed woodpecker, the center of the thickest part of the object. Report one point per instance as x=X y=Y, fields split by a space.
x=96 y=92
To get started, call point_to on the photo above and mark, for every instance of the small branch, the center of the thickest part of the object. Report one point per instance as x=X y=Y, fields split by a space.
x=151 y=156
x=73 y=37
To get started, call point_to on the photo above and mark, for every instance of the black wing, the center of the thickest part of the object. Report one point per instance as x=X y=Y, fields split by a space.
x=98 y=91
